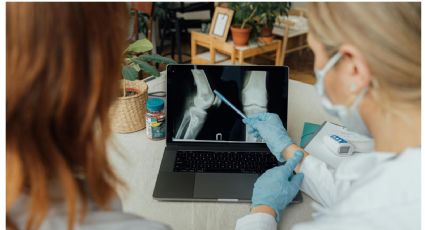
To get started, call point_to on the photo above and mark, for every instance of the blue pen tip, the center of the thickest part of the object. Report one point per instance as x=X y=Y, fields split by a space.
x=229 y=104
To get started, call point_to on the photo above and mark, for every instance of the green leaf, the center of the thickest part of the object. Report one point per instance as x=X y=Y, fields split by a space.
x=129 y=73
x=156 y=58
x=134 y=66
x=140 y=46
x=146 y=67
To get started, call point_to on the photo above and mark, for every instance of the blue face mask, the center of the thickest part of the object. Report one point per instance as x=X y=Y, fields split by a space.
x=349 y=116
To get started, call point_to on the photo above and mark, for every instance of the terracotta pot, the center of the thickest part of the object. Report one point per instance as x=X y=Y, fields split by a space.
x=266 y=31
x=240 y=36
x=131 y=91
x=145 y=7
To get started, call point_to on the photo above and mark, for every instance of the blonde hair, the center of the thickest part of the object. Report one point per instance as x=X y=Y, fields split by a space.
x=63 y=69
x=388 y=34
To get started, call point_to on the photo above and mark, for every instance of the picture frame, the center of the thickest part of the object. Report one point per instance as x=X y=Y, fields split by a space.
x=220 y=24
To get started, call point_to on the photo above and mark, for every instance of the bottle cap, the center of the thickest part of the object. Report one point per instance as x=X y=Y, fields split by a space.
x=155 y=104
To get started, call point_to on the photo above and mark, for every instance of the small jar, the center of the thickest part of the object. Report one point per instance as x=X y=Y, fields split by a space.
x=155 y=119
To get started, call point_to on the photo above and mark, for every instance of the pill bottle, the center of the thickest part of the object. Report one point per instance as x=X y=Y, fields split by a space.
x=155 y=119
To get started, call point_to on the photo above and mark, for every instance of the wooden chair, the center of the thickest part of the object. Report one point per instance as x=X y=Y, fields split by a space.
x=292 y=42
x=182 y=17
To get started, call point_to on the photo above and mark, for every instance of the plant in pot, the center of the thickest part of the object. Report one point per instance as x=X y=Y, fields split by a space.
x=243 y=21
x=267 y=13
x=128 y=111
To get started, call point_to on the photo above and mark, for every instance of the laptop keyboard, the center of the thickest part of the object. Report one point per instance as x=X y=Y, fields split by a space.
x=224 y=162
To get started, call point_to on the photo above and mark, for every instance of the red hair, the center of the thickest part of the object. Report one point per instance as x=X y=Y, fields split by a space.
x=63 y=68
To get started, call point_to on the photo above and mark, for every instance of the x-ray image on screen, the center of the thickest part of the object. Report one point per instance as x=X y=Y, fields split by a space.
x=196 y=107
x=198 y=114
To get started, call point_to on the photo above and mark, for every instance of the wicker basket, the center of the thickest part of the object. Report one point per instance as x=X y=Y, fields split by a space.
x=128 y=113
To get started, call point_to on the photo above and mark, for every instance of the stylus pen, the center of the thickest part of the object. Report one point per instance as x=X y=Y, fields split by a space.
x=229 y=104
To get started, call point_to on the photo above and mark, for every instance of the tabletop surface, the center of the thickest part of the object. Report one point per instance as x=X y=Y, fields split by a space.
x=253 y=45
x=136 y=160
x=250 y=45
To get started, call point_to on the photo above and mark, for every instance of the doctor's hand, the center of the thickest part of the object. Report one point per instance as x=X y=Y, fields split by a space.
x=269 y=127
x=277 y=187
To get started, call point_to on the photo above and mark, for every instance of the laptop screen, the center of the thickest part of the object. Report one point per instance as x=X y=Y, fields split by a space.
x=196 y=113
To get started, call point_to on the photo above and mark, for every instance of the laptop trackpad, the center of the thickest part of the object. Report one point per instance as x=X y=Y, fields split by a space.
x=224 y=186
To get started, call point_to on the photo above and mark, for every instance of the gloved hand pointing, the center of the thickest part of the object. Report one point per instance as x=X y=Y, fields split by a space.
x=277 y=187
x=269 y=127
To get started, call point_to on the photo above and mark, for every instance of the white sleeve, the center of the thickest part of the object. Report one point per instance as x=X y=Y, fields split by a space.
x=256 y=221
x=320 y=183
x=338 y=223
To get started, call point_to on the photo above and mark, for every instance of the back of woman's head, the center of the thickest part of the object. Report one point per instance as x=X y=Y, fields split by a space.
x=388 y=35
x=63 y=67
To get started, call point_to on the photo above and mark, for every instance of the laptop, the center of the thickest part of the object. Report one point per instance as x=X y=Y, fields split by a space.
x=210 y=155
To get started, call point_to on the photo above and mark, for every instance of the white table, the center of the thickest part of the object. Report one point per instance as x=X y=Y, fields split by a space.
x=140 y=158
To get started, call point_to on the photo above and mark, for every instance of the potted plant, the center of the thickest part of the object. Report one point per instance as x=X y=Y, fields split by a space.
x=267 y=13
x=243 y=21
x=128 y=111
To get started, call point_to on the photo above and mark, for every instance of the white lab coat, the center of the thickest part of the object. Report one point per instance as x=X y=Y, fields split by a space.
x=366 y=191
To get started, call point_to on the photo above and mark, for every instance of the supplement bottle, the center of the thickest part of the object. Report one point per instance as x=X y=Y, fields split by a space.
x=155 y=119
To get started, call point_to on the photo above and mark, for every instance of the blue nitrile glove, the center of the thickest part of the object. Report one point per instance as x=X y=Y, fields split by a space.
x=269 y=127
x=277 y=187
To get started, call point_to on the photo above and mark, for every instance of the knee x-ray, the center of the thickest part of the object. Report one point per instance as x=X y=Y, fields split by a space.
x=198 y=114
